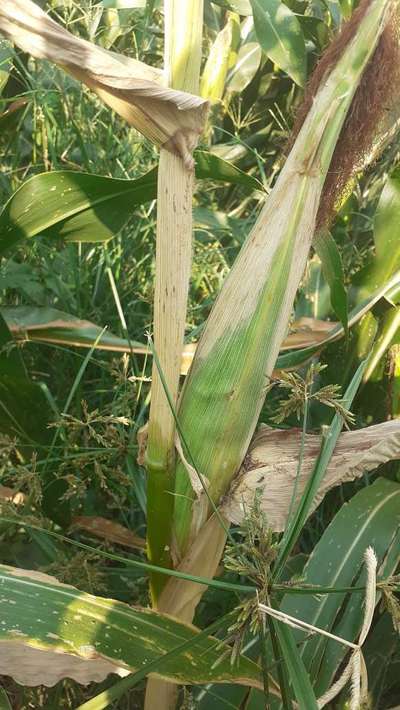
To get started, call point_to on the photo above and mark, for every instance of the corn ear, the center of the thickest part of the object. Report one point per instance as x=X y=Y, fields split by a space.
x=136 y=91
x=225 y=389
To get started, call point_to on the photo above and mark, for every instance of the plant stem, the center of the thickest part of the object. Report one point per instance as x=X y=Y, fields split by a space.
x=183 y=37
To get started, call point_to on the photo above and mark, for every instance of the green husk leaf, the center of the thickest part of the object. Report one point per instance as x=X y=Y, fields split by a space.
x=224 y=391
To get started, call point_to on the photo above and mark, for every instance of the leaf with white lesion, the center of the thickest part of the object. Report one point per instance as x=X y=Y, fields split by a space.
x=133 y=89
x=51 y=631
x=271 y=466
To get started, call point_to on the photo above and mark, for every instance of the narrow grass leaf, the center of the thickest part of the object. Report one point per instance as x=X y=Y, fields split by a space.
x=299 y=677
x=131 y=562
x=295 y=526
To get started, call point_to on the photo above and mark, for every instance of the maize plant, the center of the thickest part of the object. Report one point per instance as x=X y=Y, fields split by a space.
x=231 y=481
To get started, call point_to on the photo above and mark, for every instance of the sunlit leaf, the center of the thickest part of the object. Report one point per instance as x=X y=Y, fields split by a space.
x=247 y=64
x=51 y=631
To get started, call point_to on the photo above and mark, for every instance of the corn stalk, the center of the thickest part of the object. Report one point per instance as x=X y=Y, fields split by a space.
x=183 y=36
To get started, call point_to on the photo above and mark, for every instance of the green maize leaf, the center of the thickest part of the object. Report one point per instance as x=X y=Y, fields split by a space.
x=74 y=206
x=332 y=267
x=350 y=622
x=41 y=614
x=382 y=657
x=211 y=167
x=246 y=67
x=90 y=208
x=371 y=518
x=104 y=699
x=50 y=325
x=279 y=33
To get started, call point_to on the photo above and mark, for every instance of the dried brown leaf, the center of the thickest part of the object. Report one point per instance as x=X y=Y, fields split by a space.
x=170 y=118
x=270 y=467
x=108 y=530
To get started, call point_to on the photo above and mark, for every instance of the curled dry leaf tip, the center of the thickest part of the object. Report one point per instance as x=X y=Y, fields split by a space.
x=136 y=91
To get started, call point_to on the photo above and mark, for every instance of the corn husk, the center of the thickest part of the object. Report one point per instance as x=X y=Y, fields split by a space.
x=167 y=117
x=225 y=389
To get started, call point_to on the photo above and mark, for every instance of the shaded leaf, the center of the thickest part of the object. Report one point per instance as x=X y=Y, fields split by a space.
x=279 y=33
x=294 y=359
x=247 y=64
x=83 y=207
x=332 y=267
x=10 y=117
x=108 y=530
x=25 y=415
x=386 y=261
x=28 y=323
x=370 y=518
x=24 y=411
